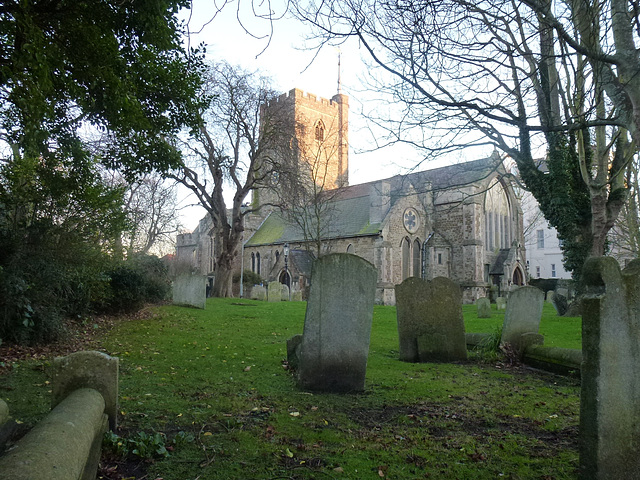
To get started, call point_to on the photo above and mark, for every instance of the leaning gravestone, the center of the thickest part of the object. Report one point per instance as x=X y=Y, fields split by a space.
x=610 y=387
x=274 y=292
x=484 y=307
x=501 y=303
x=190 y=290
x=560 y=303
x=523 y=314
x=430 y=323
x=337 y=326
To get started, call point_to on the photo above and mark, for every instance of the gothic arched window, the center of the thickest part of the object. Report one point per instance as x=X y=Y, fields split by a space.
x=417 y=263
x=320 y=131
x=406 y=258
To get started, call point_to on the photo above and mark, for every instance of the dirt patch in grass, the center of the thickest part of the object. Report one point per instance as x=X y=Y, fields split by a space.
x=86 y=334
x=443 y=422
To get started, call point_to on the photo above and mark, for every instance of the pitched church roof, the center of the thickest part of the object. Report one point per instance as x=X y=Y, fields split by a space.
x=348 y=210
x=344 y=217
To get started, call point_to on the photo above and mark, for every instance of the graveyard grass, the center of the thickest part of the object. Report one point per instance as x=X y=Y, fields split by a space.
x=219 y=376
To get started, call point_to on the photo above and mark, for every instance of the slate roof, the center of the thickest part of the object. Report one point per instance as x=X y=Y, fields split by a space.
x=498 y=266
x=350 y=206
x=349 y=217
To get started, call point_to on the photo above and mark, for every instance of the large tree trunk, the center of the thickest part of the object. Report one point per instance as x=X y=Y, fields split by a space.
x=224 y=276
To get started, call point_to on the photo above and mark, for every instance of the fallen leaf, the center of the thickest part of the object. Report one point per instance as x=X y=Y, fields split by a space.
x=288 y=453
x=246 y=369
x=338 y=469
x=295 y=414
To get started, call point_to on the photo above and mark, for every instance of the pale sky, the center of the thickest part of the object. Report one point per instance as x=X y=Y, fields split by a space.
x=290 y=65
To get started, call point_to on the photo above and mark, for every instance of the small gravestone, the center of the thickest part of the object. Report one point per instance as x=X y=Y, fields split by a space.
x=522 y=316
x=337 y=325
x=190 y=290
x=610 y=387
x=285 y=293
x=258 y=292
x=88 y=369
x=549 y=296
x=430 y=323
x=560 y=303
x=501 y=303
x=296 y=296
x=274 y=292
x=484 y=307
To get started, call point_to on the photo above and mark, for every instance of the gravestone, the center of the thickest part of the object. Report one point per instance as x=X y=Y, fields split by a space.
x=88 y=369
x=190 y=290
x=610 y=387
x=522 y=316
x=274 y=292
x=296 y=296
x=293 y=351
x=337 y=325
x=560 y=303
x=285 y=293
x=258 y=292
x=430 y=323
x=484 y=307
x=501 y=303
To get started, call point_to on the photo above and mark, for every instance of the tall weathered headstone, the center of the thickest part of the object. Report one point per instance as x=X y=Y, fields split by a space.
x=274 y=292
x=430 y=322
x=610 y=387
x=190 y=290
x=337 y=325
x=522 y=316
x=484 y=307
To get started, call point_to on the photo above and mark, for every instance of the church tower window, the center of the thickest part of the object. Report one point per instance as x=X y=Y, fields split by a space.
x=320 y=131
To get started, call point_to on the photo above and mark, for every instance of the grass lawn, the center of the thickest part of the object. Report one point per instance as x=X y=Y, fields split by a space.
x=214 y=384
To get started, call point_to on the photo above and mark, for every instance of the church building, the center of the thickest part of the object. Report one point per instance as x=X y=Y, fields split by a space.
x=462 y=221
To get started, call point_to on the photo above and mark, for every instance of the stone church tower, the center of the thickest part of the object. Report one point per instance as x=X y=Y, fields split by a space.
x=318 y=144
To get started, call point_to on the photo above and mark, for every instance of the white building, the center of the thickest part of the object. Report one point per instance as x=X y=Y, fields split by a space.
x=544 y=256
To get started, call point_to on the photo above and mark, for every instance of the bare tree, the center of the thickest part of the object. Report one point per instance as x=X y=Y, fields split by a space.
x=239 y=145
x=624 y=238
x=152 y=213
x=533 y=78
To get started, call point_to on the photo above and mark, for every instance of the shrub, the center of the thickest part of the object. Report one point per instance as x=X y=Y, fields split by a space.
x=134 y=282
x=249 y=278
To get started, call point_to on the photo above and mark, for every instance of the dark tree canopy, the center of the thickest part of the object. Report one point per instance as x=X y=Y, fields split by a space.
x=118 y=66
